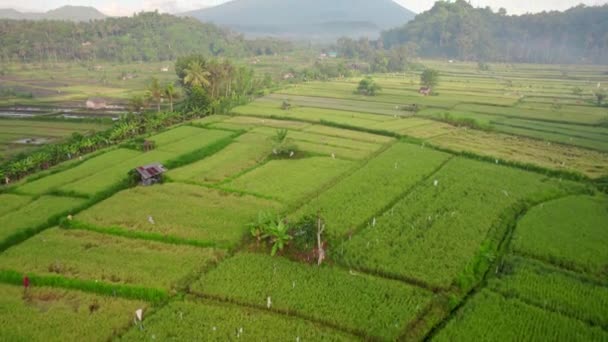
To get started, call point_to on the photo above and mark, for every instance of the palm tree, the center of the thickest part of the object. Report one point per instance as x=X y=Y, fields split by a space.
x=155 y=92
x=196 y=75
x=171 y=93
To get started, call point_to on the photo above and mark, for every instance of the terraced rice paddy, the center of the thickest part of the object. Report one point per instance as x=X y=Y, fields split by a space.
x=432 y=231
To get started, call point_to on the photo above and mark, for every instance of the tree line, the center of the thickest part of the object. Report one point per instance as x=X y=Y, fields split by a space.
x=147 y=36
x=457 y=30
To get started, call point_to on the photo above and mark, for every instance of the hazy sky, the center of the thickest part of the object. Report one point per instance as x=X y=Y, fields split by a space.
x=127 y=7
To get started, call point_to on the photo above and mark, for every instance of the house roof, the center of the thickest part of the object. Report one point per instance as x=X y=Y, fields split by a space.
x=149 y=171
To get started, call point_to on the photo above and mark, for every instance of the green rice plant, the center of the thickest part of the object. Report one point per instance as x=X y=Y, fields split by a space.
x=438 y=233
x=569 y=232
x=203 y=215
x=63 y=315
x=33 y=216
x=87 y=168
x=175 y=134
x=348 y=134
x=491 y=317
x=192 y=320
x=112 y=174
x=554 y=289
x=195 y=142
x=232 y=160
x=372 y=307
x=11 y=202
x=291 y=180
x=91 y=256
x=357 y=198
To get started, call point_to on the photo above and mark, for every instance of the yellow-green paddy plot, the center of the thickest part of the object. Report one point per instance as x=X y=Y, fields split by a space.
x=187 y=212
x=47 y=314
x=554 y=289
x=289 y=180
x=10 y=202
x=372 y=307
x=194 y=142
x=524 y=150
x=571 y=232
x=175 y=134
x=88 y=167
x=368 y=191
x=193 y=320
x=491 y=317
x=248 y=151
x=35 y=215
x=91 y=256
x=439 y=232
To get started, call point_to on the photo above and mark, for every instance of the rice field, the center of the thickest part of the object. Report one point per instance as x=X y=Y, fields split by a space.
x=51 y=314
x=434 y=230
x=570 y=232
x=96 y=257
x=383 y=309
x=204 y=215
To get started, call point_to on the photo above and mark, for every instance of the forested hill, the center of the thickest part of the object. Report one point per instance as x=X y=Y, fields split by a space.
x=308 y=19
x=460 y=31
x=143 y=37
x=71 y=13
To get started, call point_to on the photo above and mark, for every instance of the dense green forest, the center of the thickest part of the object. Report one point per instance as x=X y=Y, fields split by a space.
x=460 y=31
x=144 y=37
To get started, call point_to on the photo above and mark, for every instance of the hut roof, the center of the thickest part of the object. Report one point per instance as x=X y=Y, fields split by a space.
x=149 y=171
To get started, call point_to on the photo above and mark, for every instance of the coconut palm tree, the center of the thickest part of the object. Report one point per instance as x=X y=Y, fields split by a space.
x=155 y=93
x=196 y=75
x=172 y=94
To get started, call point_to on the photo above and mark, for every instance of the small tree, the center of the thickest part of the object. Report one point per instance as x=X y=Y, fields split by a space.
x=286 y=105
x=282 y=144
x=368 y=87
x=429 y=78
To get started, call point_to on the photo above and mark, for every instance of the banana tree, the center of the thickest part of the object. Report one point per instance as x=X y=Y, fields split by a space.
x=278 y=234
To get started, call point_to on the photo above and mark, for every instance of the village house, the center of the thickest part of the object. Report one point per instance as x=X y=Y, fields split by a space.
x=164 y=69
x=96 y=103
x=150 y=174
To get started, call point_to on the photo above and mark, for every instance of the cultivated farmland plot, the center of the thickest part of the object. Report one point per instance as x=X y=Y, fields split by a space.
x=50 y=314
x=435 y=233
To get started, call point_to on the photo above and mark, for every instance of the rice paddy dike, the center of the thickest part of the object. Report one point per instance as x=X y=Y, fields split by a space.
x=476 y=217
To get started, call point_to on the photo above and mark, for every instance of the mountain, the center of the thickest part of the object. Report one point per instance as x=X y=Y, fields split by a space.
x=457 y=30
x=68 y=13
x=306 y=19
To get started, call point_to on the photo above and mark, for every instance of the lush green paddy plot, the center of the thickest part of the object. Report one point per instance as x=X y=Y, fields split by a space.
x=491 y=317
x=291 y=179
x=232 y=160
x=376 y=307
x=570 y=232
x=554 y=289
x=367 y=192
x=348 y=134
x=255 y=122
x=183 y=211
x=269 y=108
x=89 y=167
x=441 y=232
x=333 y=141
x=575 y=117
x=175 y=134
x=332 y=151
x=10 y=203
x=107 y=177
x=207 y=321
x=86 y=255
x=527 y=151
x=35 y=214
x=48 y=314
x=195 y=142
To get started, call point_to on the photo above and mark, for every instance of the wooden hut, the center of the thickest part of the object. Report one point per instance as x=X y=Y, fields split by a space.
x=150 y=174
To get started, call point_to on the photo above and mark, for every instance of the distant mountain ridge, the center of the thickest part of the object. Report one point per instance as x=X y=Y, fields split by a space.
x=68 y=13
x=327 y=19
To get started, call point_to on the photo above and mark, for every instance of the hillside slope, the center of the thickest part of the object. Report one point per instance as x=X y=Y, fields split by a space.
x=69 y=13
x=307 y=19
